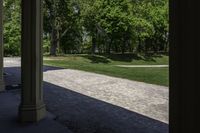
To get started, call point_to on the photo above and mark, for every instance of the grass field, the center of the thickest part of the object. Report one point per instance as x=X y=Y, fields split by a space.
x=107 y=65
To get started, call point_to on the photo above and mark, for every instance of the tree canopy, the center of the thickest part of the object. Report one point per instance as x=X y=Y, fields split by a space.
x=94 y=26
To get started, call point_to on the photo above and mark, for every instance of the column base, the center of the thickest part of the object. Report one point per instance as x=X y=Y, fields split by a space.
x=2 y=86
x=33 y=113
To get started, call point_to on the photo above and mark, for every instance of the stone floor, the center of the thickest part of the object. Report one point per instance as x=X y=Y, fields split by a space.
x=93 y=103
x=9 y=121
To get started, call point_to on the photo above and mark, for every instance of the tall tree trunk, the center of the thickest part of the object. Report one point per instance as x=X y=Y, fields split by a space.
x=123 y=47
x=126 y=39
x=94 y=41
x=93 y=45
x=146 y=46
x=109 y=46
x=58 y=41
x=139 y=48
x=116 y=48
x=124 y=44
x=54 y=42
x=130 y=48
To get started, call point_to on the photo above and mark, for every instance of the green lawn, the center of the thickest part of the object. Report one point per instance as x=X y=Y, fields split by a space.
x=106 y=65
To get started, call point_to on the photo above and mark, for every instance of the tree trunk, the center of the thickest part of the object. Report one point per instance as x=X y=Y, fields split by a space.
x=54 y=42
x=139 y=48
x=94 y=41
x=109 y=47
x=93 y=45
x=124 y=45
x=116 y=48
x=130 y=46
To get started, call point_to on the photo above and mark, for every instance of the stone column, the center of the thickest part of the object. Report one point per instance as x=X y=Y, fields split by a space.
x=184 y=66
x=32 y=108
x=1 y=47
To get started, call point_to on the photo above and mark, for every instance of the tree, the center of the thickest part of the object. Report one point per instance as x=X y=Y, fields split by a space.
x=91 y=26
x=12 y=27
x=155 y=13
x=56 y=18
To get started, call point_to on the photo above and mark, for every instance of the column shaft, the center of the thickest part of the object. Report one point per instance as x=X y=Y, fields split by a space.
x=32 y=108
x=1 y=47
x=184 y=66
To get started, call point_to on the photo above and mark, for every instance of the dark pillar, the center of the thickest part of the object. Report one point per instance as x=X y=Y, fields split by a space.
x=184 y=66
x=1 y=47
x=32 y=108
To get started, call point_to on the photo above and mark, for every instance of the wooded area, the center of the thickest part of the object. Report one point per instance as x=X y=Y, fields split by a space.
x=94 y=26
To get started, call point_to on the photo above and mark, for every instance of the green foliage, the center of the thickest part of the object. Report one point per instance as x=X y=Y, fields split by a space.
x=103 y=26
x=12 y=27
x=120 y=25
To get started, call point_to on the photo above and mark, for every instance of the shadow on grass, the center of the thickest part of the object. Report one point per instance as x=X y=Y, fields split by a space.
x=97 y=59
x=106 y=58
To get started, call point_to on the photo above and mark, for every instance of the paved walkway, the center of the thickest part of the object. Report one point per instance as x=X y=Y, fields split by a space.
x=143 y=66
x=88 y=102
x=149 y=100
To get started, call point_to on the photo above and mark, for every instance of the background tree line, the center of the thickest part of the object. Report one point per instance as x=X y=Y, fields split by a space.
x=94 y=26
